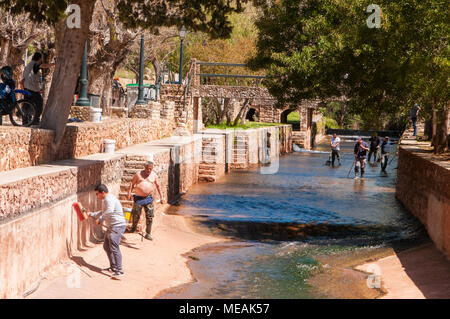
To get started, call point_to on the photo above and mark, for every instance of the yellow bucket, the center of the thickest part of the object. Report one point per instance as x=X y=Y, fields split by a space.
x=127 y=213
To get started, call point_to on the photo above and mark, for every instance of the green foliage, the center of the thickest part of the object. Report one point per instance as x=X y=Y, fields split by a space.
x=236 y=49
x=324 y=49
x=331 y=123
x=293 y=118
x=208 y=16
x=49 y=11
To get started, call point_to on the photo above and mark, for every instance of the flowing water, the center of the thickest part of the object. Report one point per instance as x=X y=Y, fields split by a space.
x=282 y=223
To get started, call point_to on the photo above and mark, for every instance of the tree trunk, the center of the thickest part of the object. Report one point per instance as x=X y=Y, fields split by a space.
x=441 y=137
x=66 y=74
x=242 y=112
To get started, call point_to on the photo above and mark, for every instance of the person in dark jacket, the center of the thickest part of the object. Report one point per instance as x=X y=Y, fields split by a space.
x=413 y=115
x=374 y=146
x=385 y=150
x=360 y=151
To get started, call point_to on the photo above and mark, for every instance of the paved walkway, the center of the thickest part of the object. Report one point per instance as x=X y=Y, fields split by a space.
x=418 y=273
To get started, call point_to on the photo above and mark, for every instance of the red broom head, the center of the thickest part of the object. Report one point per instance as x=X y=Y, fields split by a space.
x=81 y=212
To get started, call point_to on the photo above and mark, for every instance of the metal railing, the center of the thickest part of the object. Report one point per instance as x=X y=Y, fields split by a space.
x=239 y=79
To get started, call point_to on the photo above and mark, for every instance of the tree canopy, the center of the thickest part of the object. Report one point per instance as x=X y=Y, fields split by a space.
x=325 y=49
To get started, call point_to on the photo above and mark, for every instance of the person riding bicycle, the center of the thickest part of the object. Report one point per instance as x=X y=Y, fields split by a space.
x=7 y=88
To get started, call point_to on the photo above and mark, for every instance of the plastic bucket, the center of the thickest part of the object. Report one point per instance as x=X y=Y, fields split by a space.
x=127 y=213
x=96 y=114
x=110 y=146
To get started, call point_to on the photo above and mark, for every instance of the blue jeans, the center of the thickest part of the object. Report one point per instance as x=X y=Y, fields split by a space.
x=414 y=122
x=111 y=246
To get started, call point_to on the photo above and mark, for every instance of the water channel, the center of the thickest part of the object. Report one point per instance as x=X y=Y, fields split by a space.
x=284 y=225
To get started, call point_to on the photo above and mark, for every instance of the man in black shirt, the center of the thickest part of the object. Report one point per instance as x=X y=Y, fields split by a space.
x=374 y=146
x=360 y=152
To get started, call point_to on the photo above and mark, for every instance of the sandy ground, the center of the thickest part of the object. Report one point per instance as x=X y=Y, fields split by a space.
x=418 y=273
x=149 y=266
x=153 y=266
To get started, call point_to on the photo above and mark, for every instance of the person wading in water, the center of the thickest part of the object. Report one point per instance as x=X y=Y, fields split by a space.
x=335 y=148
x=360 y=152
x=143 y=184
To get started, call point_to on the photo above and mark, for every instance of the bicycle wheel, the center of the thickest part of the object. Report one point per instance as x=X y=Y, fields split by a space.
x=23 y=113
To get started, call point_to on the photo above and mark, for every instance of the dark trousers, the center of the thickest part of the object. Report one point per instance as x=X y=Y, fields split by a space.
x=136 y=213
x=414 y=123
x=384 y=161
x=373 y=151
x=111 y=247
x=37 y=99
x=334 y=154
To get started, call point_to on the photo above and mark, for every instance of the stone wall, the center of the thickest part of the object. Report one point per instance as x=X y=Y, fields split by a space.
x=80 y=112
x=245 y=148
x=37 y=225
x=183 y=105
x=24 y=147
x=423 y=186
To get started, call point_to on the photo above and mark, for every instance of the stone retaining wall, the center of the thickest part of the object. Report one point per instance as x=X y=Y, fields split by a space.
x=38 y=228
x=24 y=147
x=423 y=186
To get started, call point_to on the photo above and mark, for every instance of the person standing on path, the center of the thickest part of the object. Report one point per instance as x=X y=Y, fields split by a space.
x=385 y=150
x=360 y=152
x=115 y=222
x=335 y=148
x=413 y=114
x=32 y=83
x=144 y=184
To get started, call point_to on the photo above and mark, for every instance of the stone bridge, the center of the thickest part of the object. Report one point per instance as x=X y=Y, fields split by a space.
x=261 y=108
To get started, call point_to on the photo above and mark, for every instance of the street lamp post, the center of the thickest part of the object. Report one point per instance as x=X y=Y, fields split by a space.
x=182 y=36
x=82 y=97
x=141 y=100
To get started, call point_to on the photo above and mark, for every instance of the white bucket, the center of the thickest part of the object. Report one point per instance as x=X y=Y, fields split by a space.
x=96 y=114
x=110 y=146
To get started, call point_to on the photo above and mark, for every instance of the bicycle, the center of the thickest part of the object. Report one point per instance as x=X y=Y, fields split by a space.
x=21 y=112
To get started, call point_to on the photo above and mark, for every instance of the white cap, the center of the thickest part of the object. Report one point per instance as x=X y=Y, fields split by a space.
x=149 y=161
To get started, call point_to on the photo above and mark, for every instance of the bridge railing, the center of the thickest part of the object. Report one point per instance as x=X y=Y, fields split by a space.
x=218 y=77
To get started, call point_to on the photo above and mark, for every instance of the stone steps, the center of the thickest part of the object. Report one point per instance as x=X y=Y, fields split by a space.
x=205 y=172
x=207 y=166
x=131 y=171
x=207 y=178
x=135 y=165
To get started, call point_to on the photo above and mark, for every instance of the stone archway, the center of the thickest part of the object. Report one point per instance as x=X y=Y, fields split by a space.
x=291 y=116
x=252 y=115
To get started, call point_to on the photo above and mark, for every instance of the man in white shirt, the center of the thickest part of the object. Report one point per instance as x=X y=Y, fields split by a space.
x=115 y=222
x=335 y=148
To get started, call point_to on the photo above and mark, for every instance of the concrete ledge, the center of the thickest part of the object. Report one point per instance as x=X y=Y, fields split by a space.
x=27 y=189
x=424 y=189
